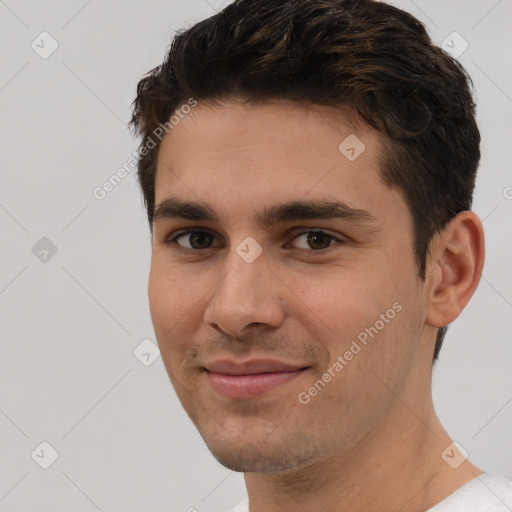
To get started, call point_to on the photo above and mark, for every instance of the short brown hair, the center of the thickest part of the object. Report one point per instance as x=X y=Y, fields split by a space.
x=370 y=56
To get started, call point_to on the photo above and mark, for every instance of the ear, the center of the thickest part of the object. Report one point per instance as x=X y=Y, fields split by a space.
x=456 y=263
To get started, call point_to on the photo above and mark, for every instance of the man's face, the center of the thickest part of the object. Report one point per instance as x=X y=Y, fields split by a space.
x=295 y=353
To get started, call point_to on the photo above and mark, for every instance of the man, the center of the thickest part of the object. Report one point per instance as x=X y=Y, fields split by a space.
x=308 y=170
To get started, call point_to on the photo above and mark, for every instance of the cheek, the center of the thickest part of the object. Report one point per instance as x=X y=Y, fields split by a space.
x=161 y=294
x=343 y=301
x=367 y=311
x=173 y=303
x=368 y=357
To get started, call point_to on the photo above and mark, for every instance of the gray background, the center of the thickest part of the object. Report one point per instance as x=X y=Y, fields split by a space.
x=71 y=322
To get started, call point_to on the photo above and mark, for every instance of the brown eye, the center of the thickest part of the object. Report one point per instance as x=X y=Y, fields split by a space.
x=200 y=239
x=316 y=240
x=194 y=240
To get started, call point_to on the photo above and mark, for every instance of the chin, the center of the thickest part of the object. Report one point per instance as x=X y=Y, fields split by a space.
x=263 y=457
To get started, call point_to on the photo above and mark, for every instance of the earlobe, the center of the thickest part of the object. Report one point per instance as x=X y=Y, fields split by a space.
x=457 y=260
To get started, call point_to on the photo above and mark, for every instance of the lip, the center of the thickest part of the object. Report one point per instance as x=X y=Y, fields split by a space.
x=251 y=367
x=250 y=379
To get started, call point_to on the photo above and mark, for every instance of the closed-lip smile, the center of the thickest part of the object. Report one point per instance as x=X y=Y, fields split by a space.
x=251 y=378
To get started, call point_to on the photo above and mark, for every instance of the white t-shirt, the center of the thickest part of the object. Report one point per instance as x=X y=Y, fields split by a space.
x=488 y=492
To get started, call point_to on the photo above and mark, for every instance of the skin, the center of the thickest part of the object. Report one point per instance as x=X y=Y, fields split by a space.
x=370 y=439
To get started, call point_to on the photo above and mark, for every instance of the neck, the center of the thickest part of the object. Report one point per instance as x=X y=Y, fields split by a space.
x=396 y=466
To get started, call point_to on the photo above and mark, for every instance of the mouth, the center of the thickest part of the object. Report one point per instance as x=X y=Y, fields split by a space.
x=250 y=379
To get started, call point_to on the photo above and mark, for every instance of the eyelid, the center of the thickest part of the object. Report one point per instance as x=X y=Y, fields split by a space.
x=170 y=240
x=302 y=231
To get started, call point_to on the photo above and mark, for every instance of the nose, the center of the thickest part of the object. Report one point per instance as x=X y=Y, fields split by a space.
x=249 y=293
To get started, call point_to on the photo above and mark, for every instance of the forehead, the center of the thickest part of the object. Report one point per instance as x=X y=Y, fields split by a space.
x=229 y=125
x=236 y=154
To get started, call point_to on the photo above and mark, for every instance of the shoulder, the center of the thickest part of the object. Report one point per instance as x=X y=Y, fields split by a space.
x=488 y=492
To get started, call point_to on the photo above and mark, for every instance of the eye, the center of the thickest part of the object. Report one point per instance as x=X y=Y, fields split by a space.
x=193 y=240
x=312 y=240
x=316 y=239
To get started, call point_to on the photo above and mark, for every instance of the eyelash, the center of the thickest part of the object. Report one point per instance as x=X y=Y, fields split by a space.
x=173 y=244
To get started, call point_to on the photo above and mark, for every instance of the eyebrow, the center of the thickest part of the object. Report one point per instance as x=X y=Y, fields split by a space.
x=174 y=208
